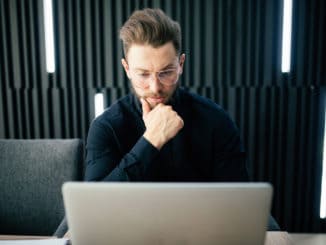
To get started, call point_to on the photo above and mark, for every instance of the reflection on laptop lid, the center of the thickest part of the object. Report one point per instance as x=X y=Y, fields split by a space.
x=167 y=213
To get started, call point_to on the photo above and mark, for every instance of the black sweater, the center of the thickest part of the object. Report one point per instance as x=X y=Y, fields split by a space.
x=208 y=148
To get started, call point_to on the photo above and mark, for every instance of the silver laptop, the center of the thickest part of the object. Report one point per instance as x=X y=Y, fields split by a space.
x=167 y=213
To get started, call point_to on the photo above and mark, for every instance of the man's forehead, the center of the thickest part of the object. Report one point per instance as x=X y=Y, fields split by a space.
x=147 y=56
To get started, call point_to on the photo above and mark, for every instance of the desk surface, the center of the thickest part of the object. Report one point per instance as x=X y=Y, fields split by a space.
x=272 y=238
x=308 y=239
x=23 y=237
x=278 y=238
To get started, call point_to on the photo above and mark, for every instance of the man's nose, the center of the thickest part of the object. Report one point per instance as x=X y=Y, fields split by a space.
x=154 y=83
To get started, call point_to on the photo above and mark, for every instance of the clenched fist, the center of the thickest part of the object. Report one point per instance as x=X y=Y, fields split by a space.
x=162 y=123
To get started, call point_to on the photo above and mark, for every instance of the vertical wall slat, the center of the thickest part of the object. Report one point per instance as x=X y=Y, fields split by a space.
x=2 y=113
x=64 y=62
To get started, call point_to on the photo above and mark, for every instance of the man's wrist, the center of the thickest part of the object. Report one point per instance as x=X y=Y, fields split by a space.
x=155 y=141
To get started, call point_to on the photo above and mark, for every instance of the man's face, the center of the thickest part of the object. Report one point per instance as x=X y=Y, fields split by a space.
x=153 y=72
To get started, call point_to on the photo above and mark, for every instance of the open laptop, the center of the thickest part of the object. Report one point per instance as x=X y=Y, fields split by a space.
x=167 y=213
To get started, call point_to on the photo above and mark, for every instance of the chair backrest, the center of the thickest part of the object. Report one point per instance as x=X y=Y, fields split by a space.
x=31 y=175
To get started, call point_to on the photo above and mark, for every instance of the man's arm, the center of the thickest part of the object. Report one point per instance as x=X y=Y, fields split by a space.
x=107 y=162
x=230 y=162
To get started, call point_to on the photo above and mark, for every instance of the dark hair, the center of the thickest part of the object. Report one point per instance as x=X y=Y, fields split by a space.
x=150 y=26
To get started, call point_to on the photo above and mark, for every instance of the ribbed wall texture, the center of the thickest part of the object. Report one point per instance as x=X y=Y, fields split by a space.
x=233 y=56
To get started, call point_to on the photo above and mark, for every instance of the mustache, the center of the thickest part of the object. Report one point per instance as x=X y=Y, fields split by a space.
x=145 y=95
x=154 y=95
x=158 y=94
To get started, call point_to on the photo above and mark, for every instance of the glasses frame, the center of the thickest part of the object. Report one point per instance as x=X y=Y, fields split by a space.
x=144 y=84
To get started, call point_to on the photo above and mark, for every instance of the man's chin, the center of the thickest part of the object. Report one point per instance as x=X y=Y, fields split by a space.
x=155 y=101
x=153 y=104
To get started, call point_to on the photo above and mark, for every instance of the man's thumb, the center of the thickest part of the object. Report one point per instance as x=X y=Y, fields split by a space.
x=145 y=106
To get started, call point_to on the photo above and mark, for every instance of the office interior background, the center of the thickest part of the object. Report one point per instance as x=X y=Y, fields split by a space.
x=233 y=56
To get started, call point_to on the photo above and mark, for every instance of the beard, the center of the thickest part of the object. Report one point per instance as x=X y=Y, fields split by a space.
x=168 y=96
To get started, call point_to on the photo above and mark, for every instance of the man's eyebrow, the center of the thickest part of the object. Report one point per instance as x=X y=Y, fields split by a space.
x=169 y=66
x=141 y=69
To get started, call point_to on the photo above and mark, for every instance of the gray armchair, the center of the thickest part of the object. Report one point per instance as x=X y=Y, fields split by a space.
x=31 y=175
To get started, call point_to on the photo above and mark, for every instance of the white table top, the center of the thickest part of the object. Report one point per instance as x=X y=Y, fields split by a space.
x=308 y=238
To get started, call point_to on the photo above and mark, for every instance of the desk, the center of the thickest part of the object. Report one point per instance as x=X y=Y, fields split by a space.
x=272 y=238
x=308 y=238
x=23 y=237
x=278 y=238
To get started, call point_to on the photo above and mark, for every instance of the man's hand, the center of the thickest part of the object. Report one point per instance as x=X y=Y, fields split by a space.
x=162 y=123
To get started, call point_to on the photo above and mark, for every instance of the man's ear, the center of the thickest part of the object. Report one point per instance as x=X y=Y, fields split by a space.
x=181 y=62
x=125 y=67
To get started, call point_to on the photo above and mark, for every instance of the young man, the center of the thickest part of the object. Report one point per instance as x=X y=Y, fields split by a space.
x=160 y=132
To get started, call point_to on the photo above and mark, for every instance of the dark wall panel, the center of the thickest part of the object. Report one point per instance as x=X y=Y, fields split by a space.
x=233 y=56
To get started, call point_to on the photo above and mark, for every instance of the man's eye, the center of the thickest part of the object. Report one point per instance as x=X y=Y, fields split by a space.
x=143 y=74
x=166 y=73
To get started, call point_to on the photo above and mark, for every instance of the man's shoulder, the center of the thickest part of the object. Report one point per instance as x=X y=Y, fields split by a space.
x=206 y=112
x=200 y=103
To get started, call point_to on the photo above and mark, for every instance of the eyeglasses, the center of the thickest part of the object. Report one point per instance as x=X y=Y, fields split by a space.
x=167 y=77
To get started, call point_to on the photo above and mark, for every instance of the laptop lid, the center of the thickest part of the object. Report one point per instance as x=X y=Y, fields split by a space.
x=167 y=213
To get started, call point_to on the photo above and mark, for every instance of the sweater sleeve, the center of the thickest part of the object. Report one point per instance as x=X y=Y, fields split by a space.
x=230 y=161
x=105 y=160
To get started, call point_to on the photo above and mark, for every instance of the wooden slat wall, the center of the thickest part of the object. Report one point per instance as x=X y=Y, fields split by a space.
x=233 y=56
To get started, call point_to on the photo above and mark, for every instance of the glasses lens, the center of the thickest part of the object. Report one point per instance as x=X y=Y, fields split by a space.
x=168 y=76
x=142 y=79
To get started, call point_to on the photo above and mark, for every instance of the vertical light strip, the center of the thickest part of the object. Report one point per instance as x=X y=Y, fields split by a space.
x=323 y=181
x=48 y=29
x=286 y=36
x=99 y=104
